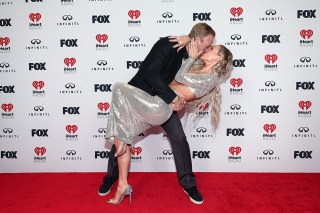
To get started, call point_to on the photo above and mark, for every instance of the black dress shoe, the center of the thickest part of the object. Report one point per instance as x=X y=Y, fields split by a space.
x=194 y=195
x=106 y=185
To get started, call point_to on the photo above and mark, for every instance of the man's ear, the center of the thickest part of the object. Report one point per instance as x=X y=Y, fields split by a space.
x=197 y=39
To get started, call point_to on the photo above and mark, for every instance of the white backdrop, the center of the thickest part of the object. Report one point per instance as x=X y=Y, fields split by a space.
x=59 y=59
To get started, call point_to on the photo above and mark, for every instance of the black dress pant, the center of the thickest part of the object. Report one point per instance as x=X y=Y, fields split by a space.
x=180 y=150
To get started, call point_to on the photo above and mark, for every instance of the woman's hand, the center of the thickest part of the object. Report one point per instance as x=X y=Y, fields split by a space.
x=192 y=49
x=181 y=40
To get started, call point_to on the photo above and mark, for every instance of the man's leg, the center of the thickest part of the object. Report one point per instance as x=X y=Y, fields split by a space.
x=182 y=157
x=112 y=173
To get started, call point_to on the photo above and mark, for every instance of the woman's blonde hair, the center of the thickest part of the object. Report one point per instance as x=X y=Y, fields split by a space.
x=214 y=96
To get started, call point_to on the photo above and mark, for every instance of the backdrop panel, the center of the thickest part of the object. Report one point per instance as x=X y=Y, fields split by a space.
x=59 y=60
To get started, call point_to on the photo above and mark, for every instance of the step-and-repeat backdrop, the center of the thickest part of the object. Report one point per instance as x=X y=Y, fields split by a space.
x=59 y=60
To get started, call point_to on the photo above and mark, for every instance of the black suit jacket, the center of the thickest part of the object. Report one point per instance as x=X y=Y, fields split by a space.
x=159 y=69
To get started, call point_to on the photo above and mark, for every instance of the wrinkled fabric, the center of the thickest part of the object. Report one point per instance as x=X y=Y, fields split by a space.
x=133 y=111
x=199 y=84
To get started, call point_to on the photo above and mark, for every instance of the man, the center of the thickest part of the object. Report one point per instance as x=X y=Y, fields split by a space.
x=155 y=74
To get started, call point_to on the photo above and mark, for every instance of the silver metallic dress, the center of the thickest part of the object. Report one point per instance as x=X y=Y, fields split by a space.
x=133 y=111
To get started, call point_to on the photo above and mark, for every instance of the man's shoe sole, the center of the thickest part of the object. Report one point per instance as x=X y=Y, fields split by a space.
x=104 y=194
x=192 y=200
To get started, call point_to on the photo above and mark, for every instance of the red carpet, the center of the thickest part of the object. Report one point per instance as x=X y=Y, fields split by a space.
x=160 y=192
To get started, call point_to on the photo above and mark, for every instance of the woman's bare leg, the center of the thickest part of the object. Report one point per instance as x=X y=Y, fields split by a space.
x=124 y=166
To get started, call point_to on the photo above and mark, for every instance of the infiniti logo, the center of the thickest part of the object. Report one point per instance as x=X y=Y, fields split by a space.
x=7 y=130
x=305 y=59
x=201 y=129
x=271 y=12
x=4 y=65
x=235 y=107
x=134 y=39
x=167 y=152
x=38 y=108
x=102 y=130
x=303 y=129
x=70 y=86
x=236 y=37
x=102 y=63
x=167 y=15
x=268 y=152
x=35 y=41
x=71 y=152
x=67 y=17
x=270 y=83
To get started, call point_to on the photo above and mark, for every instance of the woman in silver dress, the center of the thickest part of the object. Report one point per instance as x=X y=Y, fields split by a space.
x=133 y=111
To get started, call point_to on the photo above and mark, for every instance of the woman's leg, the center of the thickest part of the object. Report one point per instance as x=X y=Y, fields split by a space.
x=124 y=166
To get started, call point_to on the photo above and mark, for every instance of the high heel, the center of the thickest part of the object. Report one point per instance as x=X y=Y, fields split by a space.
x=127 y=192
x=122 y=150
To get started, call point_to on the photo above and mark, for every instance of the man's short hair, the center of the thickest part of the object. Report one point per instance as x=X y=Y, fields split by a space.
x=201 y=30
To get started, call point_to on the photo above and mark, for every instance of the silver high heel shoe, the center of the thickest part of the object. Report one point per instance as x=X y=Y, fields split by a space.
x=127 y=192
x=122 y=151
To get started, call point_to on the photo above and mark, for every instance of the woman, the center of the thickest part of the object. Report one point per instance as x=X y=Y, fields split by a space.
x=133 y=110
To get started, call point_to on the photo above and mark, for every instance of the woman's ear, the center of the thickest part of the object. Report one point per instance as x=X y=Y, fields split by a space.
x=219 y=58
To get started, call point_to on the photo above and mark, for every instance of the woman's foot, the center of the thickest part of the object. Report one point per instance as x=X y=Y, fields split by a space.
x=120 y=194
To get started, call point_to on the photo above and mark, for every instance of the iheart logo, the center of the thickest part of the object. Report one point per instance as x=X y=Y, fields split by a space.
x=271 y=58
x=71 y=128
x=236 y=11
x=101 y=38
x=4 y=41
x=69 y=61
x=135 y=150
x=35 y=17
x=235 y=150
x=7 y=107
x=103 y=106
x=134 y=13
x=236 y=81
x=305 y=105
x=38 y=84
x=40 y=151
x=203 y=106
x=269 y=127
x=306 y=34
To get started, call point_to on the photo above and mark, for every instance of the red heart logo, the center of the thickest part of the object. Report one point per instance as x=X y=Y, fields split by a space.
x=7 y=107
x=236 y=82
x=35 y=17
x=306 y=34
x=38 y=84
x=71 y=128
x=4 y=41
x=102 y=38
x=134 y=13
x=235 y=150
x=236 y=11
x=203 y=106
x=69 y=61
x=271 y=58
x=305 y=105
x=103 y=106
x=135 y=150
x=40 y=150
x=269 y=127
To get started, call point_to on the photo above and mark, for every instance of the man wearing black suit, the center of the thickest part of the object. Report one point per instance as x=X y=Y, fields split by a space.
x=155 y=74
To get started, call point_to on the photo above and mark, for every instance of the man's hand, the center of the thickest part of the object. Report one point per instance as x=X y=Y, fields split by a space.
x=179 y=104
